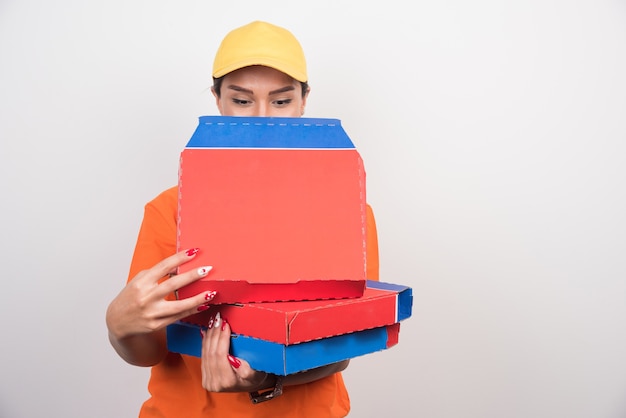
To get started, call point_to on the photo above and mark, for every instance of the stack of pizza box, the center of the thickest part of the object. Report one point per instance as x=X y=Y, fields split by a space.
x=277 y=207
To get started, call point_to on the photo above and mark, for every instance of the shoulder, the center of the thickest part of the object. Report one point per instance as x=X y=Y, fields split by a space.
x=164 y=207
x=166 y=199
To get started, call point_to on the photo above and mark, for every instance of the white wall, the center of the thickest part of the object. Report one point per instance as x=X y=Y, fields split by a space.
x=493 y=135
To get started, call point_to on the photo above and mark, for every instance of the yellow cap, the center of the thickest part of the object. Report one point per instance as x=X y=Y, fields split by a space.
x=260 y=43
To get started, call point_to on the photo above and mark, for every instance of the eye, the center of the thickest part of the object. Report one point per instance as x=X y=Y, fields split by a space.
x=282 y=102
x=241 y=102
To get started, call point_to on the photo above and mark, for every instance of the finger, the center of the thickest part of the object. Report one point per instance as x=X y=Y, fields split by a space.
x=169 y=264
x=218 y=344
x=239 y=366
x=221 y=370
x=246 y=374
x=176 y=310
x=176 y=282
x=217 y=372
x=173 y=310
x=248 y=377
x=218 y=340
x=223 y=334
x=234 y=361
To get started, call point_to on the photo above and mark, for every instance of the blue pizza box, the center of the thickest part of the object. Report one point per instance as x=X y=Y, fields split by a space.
x=281 y=359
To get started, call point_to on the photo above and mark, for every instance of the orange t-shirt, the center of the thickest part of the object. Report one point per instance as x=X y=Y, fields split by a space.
x=176 y=383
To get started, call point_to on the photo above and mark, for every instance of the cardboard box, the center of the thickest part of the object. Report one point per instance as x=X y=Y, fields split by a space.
x=287 y=337
x=287 y=359
x=291 y=323
x=277 y=207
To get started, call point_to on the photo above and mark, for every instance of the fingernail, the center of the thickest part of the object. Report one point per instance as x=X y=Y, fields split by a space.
x=203 y=271
x=234 y=361
x=210 y=324
x=210 y=295
x=192 y=251
x=218 y=320
x=202 y=308
x=224 y=322
x=201 y=332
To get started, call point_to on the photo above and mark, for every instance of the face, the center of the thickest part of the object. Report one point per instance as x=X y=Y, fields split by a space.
x=260 y=91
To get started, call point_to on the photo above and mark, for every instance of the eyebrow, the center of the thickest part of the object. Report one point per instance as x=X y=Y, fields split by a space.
x=243 y=90
x=237 y=88
x=282 y=90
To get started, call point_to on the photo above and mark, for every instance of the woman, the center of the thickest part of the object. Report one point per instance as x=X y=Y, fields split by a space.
x=259 y=70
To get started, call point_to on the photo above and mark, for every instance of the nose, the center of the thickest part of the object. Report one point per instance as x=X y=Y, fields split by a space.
x=261 y=109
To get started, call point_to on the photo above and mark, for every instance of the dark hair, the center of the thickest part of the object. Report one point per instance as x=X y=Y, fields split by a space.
x=217 y=86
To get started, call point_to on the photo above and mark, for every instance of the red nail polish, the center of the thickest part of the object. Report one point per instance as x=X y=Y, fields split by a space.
x=202 y=308
x=210 y=324
x=224 y=322
x=234 y=361
x=210 y=295
x=192 y=251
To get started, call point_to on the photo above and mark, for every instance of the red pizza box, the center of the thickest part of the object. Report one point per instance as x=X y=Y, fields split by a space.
x=291 y=323
x=276 y=206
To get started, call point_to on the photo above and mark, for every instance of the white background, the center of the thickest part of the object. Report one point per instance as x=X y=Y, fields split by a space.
x=493 y=135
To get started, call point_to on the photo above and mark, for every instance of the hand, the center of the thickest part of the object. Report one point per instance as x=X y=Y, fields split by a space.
x=221 y=372
x=141 y=307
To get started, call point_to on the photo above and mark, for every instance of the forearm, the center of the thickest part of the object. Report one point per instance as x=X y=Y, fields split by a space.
x=141 y=350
